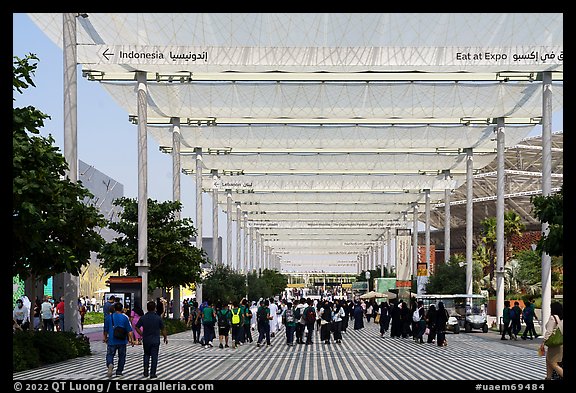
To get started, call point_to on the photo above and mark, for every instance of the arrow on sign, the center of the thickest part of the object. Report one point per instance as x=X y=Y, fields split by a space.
x=107 y=54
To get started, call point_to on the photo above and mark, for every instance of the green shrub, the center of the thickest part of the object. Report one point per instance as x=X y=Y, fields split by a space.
x=24 y=356
x=175 y=326
x=33 y=349
x=92 y=318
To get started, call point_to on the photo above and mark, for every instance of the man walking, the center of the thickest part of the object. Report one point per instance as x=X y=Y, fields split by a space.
x=108 y=307
x=153 y=325
x=116 y=343
x=208 y=321
x=290 y=322
x=515 y=316
x=47 y=314
x=310 y=319
x=528 y=315
x=264 y=317
x=60 y=312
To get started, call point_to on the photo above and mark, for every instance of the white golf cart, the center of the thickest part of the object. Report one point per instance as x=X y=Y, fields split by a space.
x=466 y=312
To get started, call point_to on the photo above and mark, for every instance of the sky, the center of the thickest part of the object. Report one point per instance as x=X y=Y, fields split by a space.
x=106 y=139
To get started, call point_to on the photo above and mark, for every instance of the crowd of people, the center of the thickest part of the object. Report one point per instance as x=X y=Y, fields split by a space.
x=47 y=314
x=244 y=322
x=298 y=319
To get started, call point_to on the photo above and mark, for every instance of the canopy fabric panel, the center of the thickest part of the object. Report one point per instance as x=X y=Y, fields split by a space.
x=334 y=182
x=278 y=197
x=338 y=162
x=223 y=101
x=351 y=138
x=312 y=42
x=332 y=125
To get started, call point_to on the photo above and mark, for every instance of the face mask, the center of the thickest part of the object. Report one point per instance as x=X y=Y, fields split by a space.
x=20 y=305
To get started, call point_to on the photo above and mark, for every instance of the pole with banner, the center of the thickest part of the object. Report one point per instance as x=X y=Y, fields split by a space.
x=403 y=263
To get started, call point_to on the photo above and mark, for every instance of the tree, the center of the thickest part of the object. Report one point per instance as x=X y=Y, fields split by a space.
x=450 y=278
x=488 y=238
x=172 y=258
x=550 y=209
x=257 y=288
x=224 y=284
x=274 y=280
x=530 y=272
x=512 y=226
x=53 y=230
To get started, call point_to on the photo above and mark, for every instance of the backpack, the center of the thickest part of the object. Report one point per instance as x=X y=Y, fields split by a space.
x=261 y=315
x=310 y=315
x=222 y=319
x=512 y=313
x=416 y=315
x=236 y=318
x=288 y=316
x=297 y=312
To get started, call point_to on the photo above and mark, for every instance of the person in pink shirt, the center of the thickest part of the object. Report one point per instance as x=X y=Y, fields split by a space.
x=135 y=315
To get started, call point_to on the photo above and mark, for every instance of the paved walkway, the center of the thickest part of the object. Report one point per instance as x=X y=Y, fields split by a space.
x=363 y=355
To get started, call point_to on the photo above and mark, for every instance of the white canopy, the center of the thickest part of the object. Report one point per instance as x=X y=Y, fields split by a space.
x=314 y=120
x=314 y=42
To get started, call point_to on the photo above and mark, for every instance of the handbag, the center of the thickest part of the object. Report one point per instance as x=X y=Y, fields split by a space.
x=556 y=338
x=377 y=319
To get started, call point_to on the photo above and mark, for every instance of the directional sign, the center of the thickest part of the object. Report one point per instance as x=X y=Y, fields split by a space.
x=134 y=54
x=323 y=224
x=463 y=57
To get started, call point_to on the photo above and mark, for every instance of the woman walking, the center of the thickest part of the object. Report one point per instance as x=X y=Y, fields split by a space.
x=325 y=314
x=337 y=321
x=441 y=321
x=384 y=318
x=554 y=354
x=358 y=316
x=431 y=323
x=135 y=315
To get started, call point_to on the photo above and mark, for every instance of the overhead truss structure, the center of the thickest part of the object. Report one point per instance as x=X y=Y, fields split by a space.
x=326 y=130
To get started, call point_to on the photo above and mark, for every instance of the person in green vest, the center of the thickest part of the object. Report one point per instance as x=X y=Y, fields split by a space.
x=289 y=320
x=247 y=313
x=224 y=317
x=263 y=317
x=237 y=322
x=208 y=320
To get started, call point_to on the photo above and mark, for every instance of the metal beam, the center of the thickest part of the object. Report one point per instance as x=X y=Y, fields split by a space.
x=352 y=121
x=516 y=172
x=493 y=197
x=192 y=77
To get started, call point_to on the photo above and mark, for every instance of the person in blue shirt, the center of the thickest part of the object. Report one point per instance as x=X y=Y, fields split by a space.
x=149 y=326
x=108 y=307
x=117 y=318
